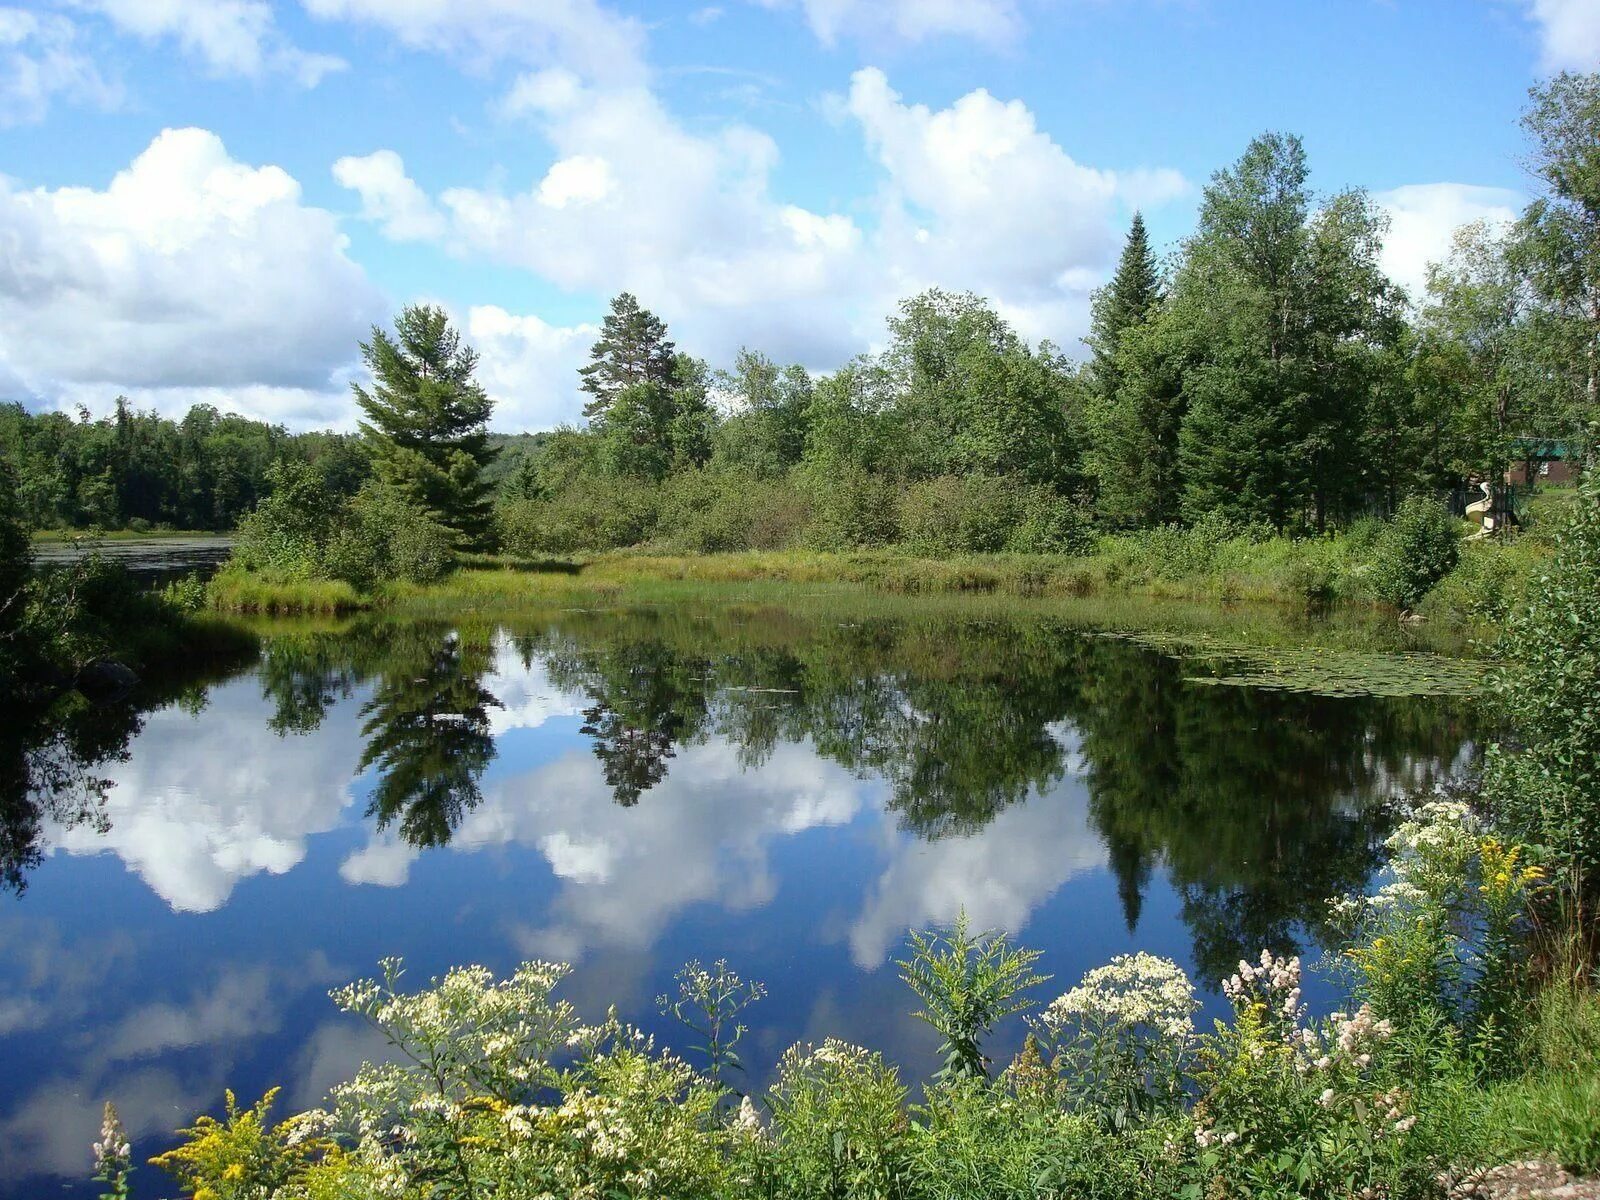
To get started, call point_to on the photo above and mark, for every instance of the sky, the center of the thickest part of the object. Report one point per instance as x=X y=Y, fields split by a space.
x=213 y=201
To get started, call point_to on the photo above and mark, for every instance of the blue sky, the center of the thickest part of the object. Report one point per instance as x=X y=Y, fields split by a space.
x=212 y=200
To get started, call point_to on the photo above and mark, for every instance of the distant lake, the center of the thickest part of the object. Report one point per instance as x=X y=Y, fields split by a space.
x=629 y=789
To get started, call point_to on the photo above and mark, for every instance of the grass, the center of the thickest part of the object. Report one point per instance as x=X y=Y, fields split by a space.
x=1553 y=1110
x=239 y=591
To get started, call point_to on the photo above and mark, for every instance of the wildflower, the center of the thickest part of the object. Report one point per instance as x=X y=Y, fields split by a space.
x=1327 y=1098
x=113 y=1156
x=1131 y=990
x=747 y=1122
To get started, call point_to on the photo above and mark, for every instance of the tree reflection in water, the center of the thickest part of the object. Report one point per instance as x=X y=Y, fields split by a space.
x=1254 y=804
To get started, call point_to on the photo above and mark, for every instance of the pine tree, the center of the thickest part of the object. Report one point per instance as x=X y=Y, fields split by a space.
x=1130 y=299
x=1135 y=401
x=633 y=349
x=426 y=420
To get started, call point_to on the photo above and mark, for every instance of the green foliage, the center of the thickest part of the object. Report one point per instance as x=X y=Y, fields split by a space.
x=1418 y=548
x=243 y=1156
x=967 y=984
x=839 y=1114
x=1545 y=785
x=297 y=536
x=978 y=514
x=849 y=509
x=139 y=470
x=385 y=536
x=708 y=1004
x=590 y=513
x=426 y=421
x=632 y=351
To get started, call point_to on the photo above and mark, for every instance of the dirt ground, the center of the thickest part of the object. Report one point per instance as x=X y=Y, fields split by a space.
x=1530 y=1180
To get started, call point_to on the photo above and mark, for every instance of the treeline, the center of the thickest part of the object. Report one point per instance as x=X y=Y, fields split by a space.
x=207 y=470
x=1267 y=374
x=138 y=470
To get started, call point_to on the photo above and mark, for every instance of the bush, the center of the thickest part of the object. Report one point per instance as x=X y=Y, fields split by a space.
x=383 y=535
x=985 y=514
x=1545 y=787
x=850 y=508
x=1414 y=551
x=590 y=513
x=289 y=530
x=713 y=511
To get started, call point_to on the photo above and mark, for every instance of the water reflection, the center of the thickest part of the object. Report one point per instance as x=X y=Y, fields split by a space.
x=626 y=791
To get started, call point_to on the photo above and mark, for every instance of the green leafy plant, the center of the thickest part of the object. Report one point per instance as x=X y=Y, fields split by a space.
x=967 y=983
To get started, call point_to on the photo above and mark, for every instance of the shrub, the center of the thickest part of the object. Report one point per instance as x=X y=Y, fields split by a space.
x=978 y=514
x=590 y=513
x=850 y=508
x=383 y=535
x=1415 y=550
x=1546 y=786
x=839 y=1113
x=290 y=529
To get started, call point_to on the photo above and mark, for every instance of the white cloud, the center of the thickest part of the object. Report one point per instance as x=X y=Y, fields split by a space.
x=975 y=196
x=978 y=196
x=40 y=62
x=1569 y=33
x=530 y=370
x=998 y=875
x=993 y=22
x=231 y=37
x=388 y=197
x=578 y=34
x=190 y=271
x=1422 y=219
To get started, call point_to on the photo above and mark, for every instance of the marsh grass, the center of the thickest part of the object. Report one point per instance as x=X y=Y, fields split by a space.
x=239 y=591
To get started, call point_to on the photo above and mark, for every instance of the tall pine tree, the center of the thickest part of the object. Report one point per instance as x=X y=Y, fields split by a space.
x=1130 y=299
x=426 y=426
x=633 y=350
x=1135 y=404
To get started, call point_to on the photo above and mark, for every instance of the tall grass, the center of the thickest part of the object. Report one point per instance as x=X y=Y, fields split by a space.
x=240 y=591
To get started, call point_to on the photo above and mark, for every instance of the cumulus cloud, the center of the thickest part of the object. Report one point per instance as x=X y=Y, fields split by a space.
x=974 y=195
x=190 y=270
x=998 y=875
x=530 y=370
x=1569 y=33
x=41 y=62
x=994 y=22
x=1422 y=219
x=230 y=37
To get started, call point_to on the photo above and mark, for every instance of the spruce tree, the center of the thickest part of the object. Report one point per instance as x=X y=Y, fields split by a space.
x=426 y=420
x=1129 y=299
x=1135 y=402
x=633 y=349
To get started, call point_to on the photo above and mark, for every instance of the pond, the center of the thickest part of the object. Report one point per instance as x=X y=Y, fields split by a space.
x=629 y=789
x=156 y=559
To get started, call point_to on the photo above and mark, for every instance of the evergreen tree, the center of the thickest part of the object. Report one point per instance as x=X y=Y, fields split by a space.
x=1135 y=403
x=426 y=421
x=633 y=350
x=1130 y=299
x=1291 y=316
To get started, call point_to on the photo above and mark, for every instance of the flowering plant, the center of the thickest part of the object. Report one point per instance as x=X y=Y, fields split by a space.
x=1120 y=1040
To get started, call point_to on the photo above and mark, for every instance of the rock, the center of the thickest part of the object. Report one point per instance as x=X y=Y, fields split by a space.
x=105 y=681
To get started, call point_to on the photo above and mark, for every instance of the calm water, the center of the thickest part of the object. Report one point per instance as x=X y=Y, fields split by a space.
x=626 y=791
